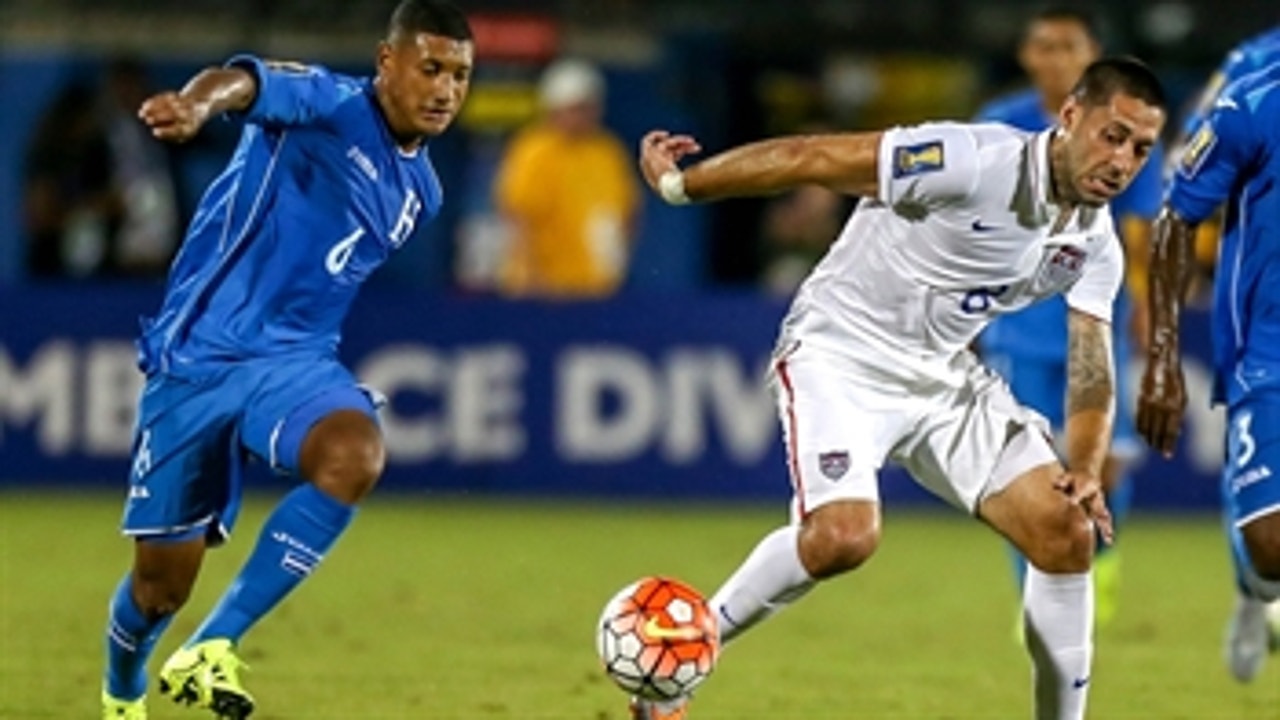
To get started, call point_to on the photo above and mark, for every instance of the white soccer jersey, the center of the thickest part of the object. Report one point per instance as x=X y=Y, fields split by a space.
x=962 y=230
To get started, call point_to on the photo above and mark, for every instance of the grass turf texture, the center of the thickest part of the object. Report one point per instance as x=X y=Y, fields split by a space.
x=439 y=608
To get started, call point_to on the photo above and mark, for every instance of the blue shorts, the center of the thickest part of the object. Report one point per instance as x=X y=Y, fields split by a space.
x=1251 y=475
x=193 y=436
x=1041 y=384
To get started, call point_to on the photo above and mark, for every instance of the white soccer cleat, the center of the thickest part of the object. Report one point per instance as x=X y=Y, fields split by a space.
x=1248 y=639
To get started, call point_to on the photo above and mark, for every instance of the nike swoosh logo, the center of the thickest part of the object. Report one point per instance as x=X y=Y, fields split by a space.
x=654 y=630
x=724 y=613
x=1079 y=683
x=979 y=227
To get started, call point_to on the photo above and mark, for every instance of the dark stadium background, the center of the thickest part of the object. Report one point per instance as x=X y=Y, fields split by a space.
x=725 y=70
x=542 y=455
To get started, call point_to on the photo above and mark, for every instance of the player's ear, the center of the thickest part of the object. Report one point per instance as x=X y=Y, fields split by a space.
x=1070 y=112
x=383 y=59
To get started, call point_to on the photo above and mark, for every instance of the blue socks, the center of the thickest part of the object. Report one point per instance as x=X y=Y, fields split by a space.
x=131 y=637
x=293 y=541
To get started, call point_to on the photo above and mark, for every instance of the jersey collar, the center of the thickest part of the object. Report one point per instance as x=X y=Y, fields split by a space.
x=371 y=94
x=1041 y=210
x=1041 y=180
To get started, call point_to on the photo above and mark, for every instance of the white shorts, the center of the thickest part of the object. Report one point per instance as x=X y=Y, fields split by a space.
x=840 y=426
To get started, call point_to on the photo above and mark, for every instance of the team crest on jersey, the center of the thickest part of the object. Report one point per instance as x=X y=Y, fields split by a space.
x=1064 y=266
x=834 y=464
x=1198 y=149
x=916 y=159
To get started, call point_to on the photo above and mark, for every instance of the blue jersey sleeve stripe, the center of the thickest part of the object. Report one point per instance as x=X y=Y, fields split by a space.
x=291 y=93
x=226 y=257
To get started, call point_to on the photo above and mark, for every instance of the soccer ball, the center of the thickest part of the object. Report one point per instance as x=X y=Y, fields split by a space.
x=657 y=638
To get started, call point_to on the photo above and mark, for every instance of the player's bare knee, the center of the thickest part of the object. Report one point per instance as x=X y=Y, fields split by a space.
x=838 y=538
x=351 y=469
x=1262 y=538
x=344 y=456
x=159 y=594
x=164 y=572
x=1064 y=545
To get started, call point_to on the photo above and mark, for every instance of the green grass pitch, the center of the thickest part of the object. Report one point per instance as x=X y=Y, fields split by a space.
x=446 y=608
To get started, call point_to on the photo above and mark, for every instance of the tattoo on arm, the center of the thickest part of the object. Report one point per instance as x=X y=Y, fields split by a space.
x=1090 y=371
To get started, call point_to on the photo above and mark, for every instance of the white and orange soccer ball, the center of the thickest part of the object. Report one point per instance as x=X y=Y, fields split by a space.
x=657 y=638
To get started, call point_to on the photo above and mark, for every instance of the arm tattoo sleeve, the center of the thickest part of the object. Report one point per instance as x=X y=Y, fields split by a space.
x=1090 y=371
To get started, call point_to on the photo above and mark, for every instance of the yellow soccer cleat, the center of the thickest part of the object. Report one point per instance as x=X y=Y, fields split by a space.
x=207 y=675
x=653 y=710
x=1273 y=625
x=1106 y=587
x=113 y=709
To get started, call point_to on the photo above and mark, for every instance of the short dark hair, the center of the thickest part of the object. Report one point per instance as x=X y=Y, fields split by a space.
x=1108 y=76
x=1066 y=13
x=434 y=17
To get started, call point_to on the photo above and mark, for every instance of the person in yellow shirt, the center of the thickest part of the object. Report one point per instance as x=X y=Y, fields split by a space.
x=567 y=191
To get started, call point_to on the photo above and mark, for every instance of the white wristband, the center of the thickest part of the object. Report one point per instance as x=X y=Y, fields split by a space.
x=671 y=187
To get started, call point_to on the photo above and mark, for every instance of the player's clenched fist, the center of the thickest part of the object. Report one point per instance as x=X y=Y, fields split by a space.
x=173 y=117
x=178 y=116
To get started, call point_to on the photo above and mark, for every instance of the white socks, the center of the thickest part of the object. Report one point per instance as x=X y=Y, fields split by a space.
x=1057 y=611
x=771 y=578
x=1058 y=616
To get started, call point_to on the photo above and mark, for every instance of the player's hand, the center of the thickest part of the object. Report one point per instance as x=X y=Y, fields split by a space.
x=1086 y=491
x=1162 y=401
x=173 y=117
x=661 y=152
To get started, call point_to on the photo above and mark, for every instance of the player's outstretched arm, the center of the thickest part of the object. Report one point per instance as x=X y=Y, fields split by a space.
x=845 y=162
x=178 y=116
x=1163 y=396
x=1090 y=412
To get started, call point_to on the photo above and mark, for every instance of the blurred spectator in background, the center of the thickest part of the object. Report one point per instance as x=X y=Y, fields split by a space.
x=100 y=196
x=796 y=232
x=567 y=189
x=796 y=228
x=1029 y=348
x=67 y=178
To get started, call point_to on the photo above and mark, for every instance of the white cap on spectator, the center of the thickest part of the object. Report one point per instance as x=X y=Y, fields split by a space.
x=569 y=82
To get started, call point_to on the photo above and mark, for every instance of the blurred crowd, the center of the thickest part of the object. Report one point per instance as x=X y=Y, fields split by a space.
x=99 y=193
x=541 y=174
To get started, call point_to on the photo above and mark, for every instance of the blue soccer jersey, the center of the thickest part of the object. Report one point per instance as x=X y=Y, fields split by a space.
x=1248 y=57
x=1234 y=157
x=1022 y=334
x=316 y=196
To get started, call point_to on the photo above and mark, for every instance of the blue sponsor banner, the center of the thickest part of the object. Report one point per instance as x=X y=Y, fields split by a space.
x=659 y=397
